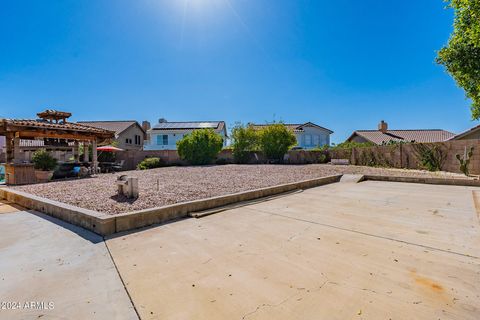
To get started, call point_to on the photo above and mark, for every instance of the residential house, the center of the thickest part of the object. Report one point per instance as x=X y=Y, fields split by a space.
x=383 y=135
x=129 y=134
x=309 y=135
x=471 y=134
x=164 y=135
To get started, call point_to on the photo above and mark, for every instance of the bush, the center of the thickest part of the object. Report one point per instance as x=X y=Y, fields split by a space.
x=150 y=163
x=245 y=140
x=42 y=160
x=275 y=140
x=431 y=157
x=200 y=147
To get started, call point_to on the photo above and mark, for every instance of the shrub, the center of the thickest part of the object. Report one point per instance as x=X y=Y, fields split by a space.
x=431 y=157
x=150 y=163
x=465 y=161
x=245 y=140
x=275 y=140
x=200 y=147
x=42 y=160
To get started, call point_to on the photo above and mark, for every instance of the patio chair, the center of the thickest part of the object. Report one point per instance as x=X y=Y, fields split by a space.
x=118 y=166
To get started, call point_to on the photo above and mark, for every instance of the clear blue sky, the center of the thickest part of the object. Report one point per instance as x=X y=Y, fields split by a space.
x=343 y=64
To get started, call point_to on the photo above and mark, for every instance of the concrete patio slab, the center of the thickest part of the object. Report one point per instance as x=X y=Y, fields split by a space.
x=442 y=217
x=373 y=250
x=8 y=207
x=52 y=270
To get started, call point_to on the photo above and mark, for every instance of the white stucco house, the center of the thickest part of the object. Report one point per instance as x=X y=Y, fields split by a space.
x=309 y=135
x=164 y=135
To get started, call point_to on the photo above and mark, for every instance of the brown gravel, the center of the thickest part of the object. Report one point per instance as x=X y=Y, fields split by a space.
x=179 y=184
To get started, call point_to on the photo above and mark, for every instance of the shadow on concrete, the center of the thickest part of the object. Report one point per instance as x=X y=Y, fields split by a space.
x=85 y=234
x=126 y=233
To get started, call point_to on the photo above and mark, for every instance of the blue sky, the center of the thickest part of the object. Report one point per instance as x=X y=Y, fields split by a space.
x=343 y=64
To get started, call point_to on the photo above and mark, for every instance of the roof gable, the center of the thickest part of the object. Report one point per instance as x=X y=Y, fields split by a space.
x=465 y=133
x=117 y=126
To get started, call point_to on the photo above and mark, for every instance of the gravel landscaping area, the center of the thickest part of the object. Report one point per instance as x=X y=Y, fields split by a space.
x=179 y=184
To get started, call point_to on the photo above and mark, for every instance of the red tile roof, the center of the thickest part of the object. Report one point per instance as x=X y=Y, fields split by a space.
x=63 y=126
x=421 y=135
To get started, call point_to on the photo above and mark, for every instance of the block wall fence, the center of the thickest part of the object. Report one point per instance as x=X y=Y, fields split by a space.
x=395 y=156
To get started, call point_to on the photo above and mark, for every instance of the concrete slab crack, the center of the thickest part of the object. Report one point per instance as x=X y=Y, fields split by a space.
x=268 y=305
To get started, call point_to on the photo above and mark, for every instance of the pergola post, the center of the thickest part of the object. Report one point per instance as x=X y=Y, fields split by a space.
x=95 y=158
x=86 y=154
x=76 y=151
x=16 y=150
x=9 y=147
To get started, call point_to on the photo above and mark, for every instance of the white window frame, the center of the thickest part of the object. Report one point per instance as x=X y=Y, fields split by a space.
x=309 y=141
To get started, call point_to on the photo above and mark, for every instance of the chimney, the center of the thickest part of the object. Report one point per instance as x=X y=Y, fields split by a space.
x=162 y=120
x=146 y=126
x=383 y=126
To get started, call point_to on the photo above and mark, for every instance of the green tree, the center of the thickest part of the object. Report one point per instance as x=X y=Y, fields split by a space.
x=244 y=140
x=461 y=57
x=200 y=147
x=275 y=140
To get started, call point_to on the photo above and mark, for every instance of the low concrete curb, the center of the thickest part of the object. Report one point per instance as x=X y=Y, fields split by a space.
x=91 y=220
x=439 y=181
x=108 y=224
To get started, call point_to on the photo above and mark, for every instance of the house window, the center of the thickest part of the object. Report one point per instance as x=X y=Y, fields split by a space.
x=316 y=140
x=128 y=141
x=308 y=140
x=162 y=139
x=137 y=139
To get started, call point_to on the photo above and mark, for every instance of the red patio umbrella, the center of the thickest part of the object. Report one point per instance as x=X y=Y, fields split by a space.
x=109 y=149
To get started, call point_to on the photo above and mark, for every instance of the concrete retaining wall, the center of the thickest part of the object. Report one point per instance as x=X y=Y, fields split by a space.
x=438 y=181
x=108 y=224
x=88 y=219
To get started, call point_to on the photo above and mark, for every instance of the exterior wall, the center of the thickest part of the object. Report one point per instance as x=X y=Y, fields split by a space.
x=132 y=158
x=173 y=137
x=318 y=138
x=130 y=134
x=471 y=136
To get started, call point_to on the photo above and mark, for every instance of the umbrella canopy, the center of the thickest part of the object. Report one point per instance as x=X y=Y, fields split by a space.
x=109 y=149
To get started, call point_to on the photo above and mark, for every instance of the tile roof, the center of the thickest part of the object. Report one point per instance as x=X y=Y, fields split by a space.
x=189 y=125
x=115 y=126
x=464 y=133
x=295 y=127
x=421 y=135
x=43 y=124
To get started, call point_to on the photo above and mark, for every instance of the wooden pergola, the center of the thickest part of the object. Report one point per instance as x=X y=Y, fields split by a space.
x=52 y=127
